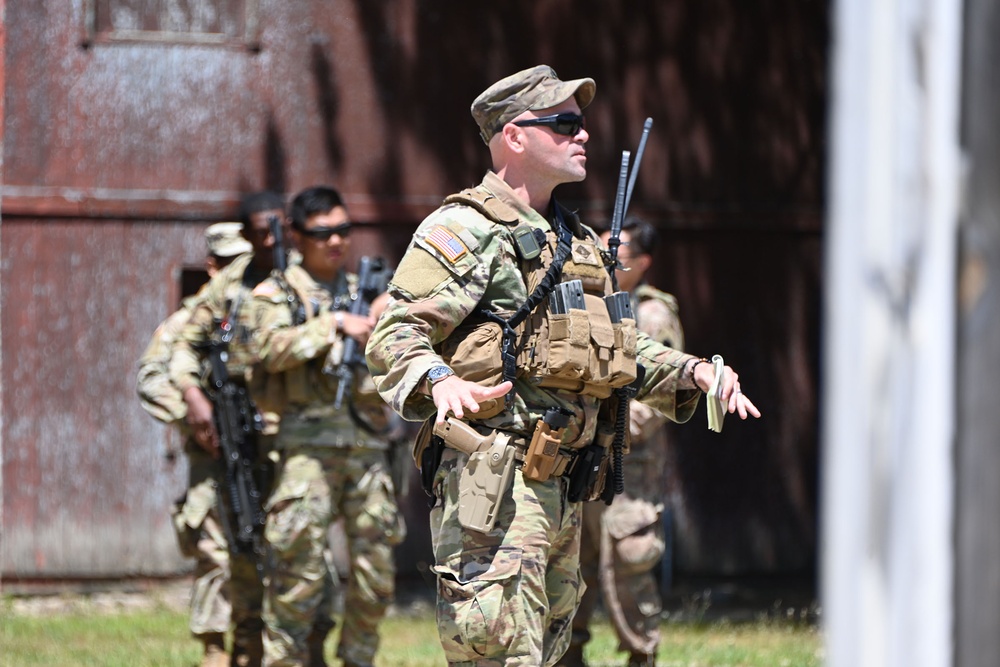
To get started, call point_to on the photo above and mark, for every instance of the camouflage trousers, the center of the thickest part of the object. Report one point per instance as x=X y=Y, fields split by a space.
x=227 y=589
x=621 y=546
x=316 y=486
x=199 y=536
x=506 y=597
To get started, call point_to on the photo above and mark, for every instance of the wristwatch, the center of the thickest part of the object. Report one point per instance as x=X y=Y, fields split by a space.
x=438 y=373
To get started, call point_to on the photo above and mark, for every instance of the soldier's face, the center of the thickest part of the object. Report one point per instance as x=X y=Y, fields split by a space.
x=324 y=257
x=633 y=263
x=558 y=158
x=259 y=236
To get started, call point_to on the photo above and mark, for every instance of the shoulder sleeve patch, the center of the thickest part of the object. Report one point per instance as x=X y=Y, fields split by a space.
x=420 y=273
x=446 y=242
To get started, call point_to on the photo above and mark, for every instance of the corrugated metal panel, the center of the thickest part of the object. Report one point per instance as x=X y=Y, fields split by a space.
x=86 y=485
x=117 y=152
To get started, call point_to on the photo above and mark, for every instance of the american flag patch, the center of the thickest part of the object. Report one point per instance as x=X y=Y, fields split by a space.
x=446 y=243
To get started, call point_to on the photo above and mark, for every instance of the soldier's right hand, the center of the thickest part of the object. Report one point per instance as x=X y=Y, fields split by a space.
x=455 y=394
x=200 y=418
x=358 y=327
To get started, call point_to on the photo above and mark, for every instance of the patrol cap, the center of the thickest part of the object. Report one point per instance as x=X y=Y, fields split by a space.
x=224 y=239
x=528 y=90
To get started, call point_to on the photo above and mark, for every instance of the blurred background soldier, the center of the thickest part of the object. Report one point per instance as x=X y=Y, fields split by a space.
x=333 y=457
x=195 y=514
x=622 y=543
x=227 y=298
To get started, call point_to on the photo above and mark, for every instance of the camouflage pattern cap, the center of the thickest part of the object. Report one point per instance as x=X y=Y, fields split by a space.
x=528 y=90
x=225 y=240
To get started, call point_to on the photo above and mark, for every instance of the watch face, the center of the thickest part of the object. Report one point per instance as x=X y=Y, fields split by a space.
x=438 y=372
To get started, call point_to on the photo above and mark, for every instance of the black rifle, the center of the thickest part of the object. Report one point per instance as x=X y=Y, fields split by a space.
x=373 y=279
x=280 y=266
x=238 y=424
x=619 y=306
x=279 y=252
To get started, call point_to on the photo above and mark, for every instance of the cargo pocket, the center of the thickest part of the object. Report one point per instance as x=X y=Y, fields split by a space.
x=289 y=515
x=479 y=612
x=187 y=537
x=380 y=519
x=635 y=528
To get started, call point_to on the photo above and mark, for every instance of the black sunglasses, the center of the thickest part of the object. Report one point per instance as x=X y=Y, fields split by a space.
x=324 y=233
x=569 y=124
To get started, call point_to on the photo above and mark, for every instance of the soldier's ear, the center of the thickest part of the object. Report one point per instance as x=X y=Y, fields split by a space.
x=512 y=136
x=644 y=261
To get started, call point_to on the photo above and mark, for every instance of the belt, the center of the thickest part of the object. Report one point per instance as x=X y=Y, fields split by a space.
x=464 y=437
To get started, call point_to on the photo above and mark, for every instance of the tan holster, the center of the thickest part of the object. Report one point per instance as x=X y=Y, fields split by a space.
x=486 y=477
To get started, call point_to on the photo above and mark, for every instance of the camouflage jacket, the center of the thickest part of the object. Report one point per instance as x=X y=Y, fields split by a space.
x=657 y=316
x=439 y=284
x=157 y=394
x=229 y=290
x=296 y=376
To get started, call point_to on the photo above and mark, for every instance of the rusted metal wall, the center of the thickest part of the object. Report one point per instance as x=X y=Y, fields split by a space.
x=127 y=128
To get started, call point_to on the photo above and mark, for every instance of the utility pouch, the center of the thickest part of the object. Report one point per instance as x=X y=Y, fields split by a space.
x=483 y=482
x=427 y=451
x=622 y=368
x=474 y=352
x=590 y=469
x=569 y=332
x=584 y=472
x=540 y=459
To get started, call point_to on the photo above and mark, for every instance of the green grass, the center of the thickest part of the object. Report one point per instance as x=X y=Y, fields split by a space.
x=159 y=638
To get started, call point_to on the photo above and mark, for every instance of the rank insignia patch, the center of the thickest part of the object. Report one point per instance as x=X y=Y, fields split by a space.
x=445 y=241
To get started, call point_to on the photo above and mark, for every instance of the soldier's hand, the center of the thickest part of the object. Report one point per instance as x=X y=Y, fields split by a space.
x=200 y=414
x=455 y=394
x=732 y=395
x=358 y=327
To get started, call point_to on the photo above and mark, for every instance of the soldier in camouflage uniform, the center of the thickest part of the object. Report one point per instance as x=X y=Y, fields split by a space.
x=506 y=545
x=195 y=515
x=622 y=543
x=228 y=296
x=333 y=458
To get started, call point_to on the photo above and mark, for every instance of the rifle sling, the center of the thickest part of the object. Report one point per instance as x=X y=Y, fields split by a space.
x=540 y=293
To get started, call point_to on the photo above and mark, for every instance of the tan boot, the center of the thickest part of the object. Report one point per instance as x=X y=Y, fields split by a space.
x=215 y=651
